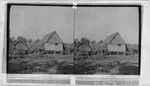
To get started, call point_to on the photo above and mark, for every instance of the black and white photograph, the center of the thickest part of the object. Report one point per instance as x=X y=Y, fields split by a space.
x=41 y=40
x=87 y=40
x=107 y=40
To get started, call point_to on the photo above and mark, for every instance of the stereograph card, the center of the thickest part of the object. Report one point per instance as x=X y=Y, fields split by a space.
x=102 y=43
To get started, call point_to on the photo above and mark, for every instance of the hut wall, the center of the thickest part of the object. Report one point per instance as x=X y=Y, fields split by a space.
x=121 y=48
x=54 y=47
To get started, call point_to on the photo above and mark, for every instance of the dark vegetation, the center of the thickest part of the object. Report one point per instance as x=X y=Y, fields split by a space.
x=68 y=64
x=46 y=64
x=54 y=64
x=104 y=66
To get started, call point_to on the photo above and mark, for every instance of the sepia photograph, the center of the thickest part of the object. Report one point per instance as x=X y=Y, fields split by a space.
x=98 y=40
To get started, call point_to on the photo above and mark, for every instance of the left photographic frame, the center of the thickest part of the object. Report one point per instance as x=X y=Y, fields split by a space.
x=39 y=39
x=53 y=16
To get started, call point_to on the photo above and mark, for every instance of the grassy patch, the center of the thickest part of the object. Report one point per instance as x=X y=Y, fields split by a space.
x=65 y=64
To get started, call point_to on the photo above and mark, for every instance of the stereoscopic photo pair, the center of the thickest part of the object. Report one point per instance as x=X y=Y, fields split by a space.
x=60 y=39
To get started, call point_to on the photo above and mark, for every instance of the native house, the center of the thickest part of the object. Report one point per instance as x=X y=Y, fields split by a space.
x=52 y=42
x=115 y=44
x=84 y=48
x=34 y=47
x=21 y=47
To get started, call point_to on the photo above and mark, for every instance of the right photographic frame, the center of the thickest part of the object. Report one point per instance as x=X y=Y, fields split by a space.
x=107 y=39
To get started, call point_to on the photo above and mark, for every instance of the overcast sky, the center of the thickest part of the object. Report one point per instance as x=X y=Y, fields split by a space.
x=95 y=23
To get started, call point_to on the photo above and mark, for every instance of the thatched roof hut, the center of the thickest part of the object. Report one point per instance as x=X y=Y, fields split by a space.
x=84 y=47
x=114 y=39
x=115 y=42
x=98 y=46
x=20 y=45
x=51 y=41
x=51 y=38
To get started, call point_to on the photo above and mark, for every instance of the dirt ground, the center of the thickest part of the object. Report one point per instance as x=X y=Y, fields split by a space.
x=110 y=65
x=43 y=64
x=67 y=64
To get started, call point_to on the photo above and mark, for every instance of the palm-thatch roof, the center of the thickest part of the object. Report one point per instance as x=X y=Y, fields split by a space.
x=84 y=46
x=35 y=45
x=102 y=46
x=20 y=45
x=51 y=38
x=98 y=46
x=114 y=39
